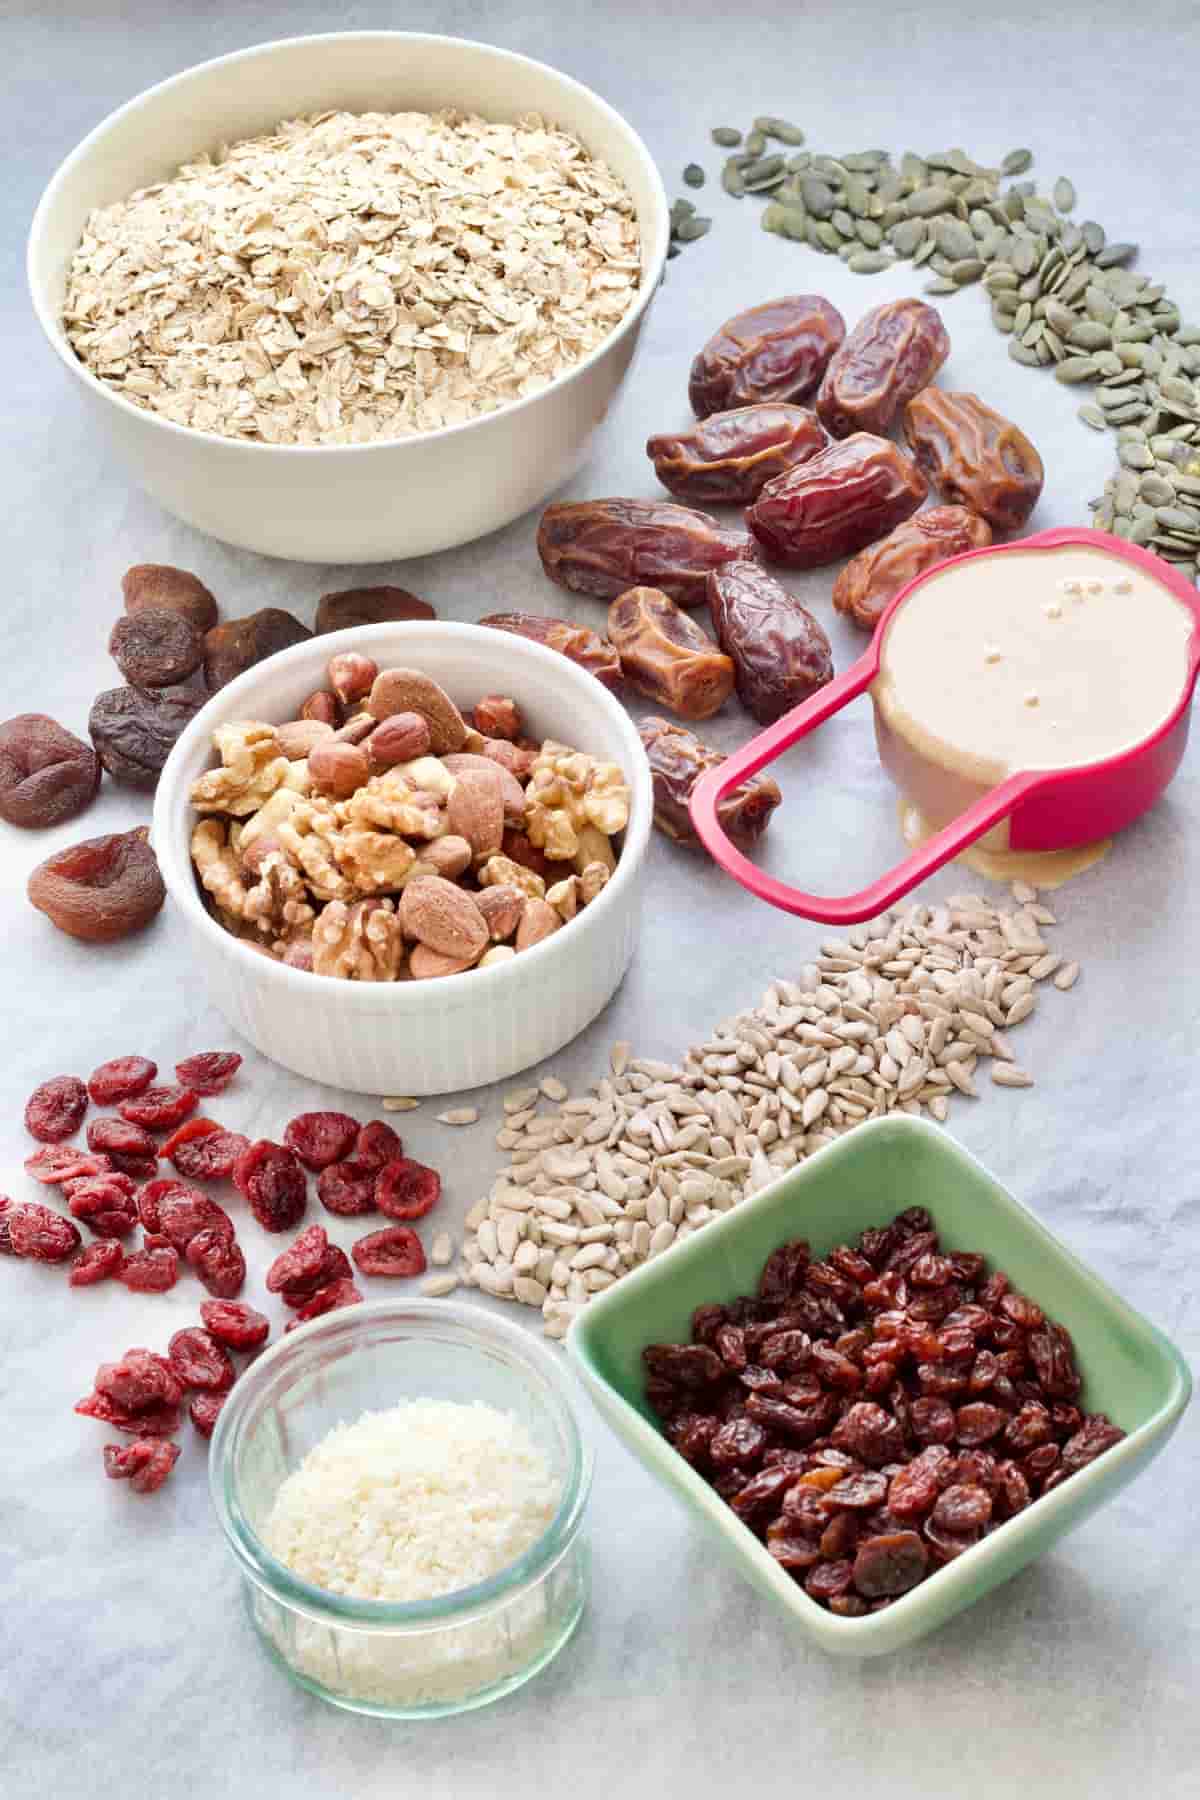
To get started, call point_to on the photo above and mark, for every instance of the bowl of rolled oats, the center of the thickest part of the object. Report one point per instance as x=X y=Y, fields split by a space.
x=353 y=297
x=439 y=890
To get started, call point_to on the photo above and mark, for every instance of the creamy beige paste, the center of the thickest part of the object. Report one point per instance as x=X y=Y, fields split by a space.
x=1034 y=660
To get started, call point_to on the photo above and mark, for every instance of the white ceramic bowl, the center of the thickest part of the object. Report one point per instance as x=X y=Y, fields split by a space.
x=459 y=1031
x=346 y=503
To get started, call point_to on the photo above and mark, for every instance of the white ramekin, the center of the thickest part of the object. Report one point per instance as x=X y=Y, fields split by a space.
x=346 y=503
x=459 y=1031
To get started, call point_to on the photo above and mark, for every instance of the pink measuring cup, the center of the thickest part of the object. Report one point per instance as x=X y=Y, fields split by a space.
x=1048 y=809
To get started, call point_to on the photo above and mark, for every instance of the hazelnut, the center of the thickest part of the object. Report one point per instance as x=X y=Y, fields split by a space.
x=402 y=738
x=337 y=770
x=351 y=676
x=256 y=852
x=322 y=705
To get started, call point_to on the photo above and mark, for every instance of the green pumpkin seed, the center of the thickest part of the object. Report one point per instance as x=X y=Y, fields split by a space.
x=690 y=229
x=693 y=175
x=923 y=254
x=1094 y=237
x=762 y=184
x=813 y=238
x=1063 y=193
x=999 y=278
x=955 y=239
x=1135 y=456
x=779 y=129
x=965 y=270
x=1071 y=238
x=1125 y=490
x=889 y=187
x=842 y=221
x=907 y=237
x=939 y=285
x=868 y=233
x=1107 y=363
x=800 y=163
x=785 y=221
x=1089 y=334
x=1034 y=334
x=927 y=201
x=1024 y=315
x=1019 y=353
x=726 y=136
x=827 y=234
x=1024 y=257
x=1113 y=254
x=1059 y=316
x=856 y=196
x=818 y=196
x=1156 y=489
x=868 y=262
x=731 y=180
x=1189 y=335
x=1002 y=319
x=763 y=165
x=755 y=143
x=1168 y=320
x=1091 y=415
x=1016 y=162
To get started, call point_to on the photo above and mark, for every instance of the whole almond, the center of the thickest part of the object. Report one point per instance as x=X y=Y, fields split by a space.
x=322 y=705
x=499 y=953
x=356 y=729
x=425 y=964
x=338 y=770
x=475 y=810
x=513 y=792
x=443 y=917
x=408 y=690
x=351 y=676
x=502 y=908
x=300 y=737
x=447 y=856
x=158 y=584
x=399 y=739
x=538 y=921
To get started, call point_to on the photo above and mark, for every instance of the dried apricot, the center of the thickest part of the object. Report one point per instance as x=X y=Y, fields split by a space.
x=236 y=1325
x=134 y=730
x=47 y=775
x=393 y=1251
x=101 y=889
x=405 y=1189
x=321 y=1138
x=155 y=647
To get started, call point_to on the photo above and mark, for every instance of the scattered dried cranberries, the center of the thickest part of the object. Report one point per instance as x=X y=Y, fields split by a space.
x=55 y=1110
x=321 y=1138
x=234 y=1324
x=393 y=1251
x=271 y=1179
x=405 y=1189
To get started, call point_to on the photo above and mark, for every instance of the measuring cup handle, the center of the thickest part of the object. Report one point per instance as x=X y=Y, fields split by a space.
x=847 y=909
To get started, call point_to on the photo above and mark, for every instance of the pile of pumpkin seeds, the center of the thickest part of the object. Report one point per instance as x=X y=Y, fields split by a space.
x=1061 y=292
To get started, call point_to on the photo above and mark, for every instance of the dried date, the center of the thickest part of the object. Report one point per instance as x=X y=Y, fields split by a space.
x=231 y=649
x=893 y=352
x=604 y=547
x=728 y=458
x=102 y=889
x=777 y=351
x=576 y=642
x=677 y=761
x=666 y=656
x=974 y=457
x=843 y=498
x=47 y=775
x=867 y=585
x=134 y=730
x=779 y=651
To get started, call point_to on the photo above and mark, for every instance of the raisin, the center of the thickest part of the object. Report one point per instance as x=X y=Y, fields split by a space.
x=119 y=1135
x=963 y=1506
x=836 y=1370
x=209 y=1072
x=405 y=1189
x=300 y=1262
x=217 y=1259
x=394 y=1251
x=211 y=1155
x=891 y=1563
x=978 y=1423
x=347 y=1189
x=729 y=1342
x=860 y=1492
x=236 y=1325
x=327 y=1299
x=199 y=1361
x=105 y=1203
x=801 y=1424
x=849 y=1606
x=40 y=1234
x=272 y=1181
x=1030 y=1427
x=789 y=1551
x=46 y=774
x=185 y=1212
x=738 y=1444
x=150 y=1271
x=692 y=1433
x=706 y=1322
x=805 y=1508
x=784 y=1271
x=55 y=1109
x=144 y=1464
x=869 y=1433
x=134 y=729
x=941 y=1379
x=840 y=1535
x=1038 y=1464
x=829 y=1579
x=1013 y=1489
x=946 y=1545
x=321 y=1138
x=762 y=1493
x=852 y=1264
x=1096 y=1435
x=159 y=1108
x=59 y=1163
x=787 y=1351
x=930 y=1270
x=689 y=1365
x=204 y=1410
x=120 y=1079
x=376 y=1145
x=1065 y=1419
x=913 y=1491
x=96 y=1262
x=1053 y=1358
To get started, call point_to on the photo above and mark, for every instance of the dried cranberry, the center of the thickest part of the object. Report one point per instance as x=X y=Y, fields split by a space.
x=55 y=1109
x=218 y=1261
x=40 y=1234
x=394 y=1251
x=96 y=1262
x=185 y=1212
x=978 y=1423
x=347 y=1189
x=405 y=1189
x=150 y=1271
x=236 y=1325
x=105 y=1204
x=204 y=1410
x=139 y=1380
x=160 y=1108
x=118 y=1136
x=121 y=1079
x=199 y=1361
x=321 y=1138
x=210 y=1155
x=150 y=1196
x=210 y=1072
x=144 y=1464
x=186 y=1133
x=273 y=1182
x=58 y=1163
x=376 y=1145
x=301 y=1261
x=889 y=1564
x=327 y=1299
x=158 y=1420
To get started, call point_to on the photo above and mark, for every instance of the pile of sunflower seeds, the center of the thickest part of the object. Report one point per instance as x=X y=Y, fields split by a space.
x=1058 y=289
x=898 y=1015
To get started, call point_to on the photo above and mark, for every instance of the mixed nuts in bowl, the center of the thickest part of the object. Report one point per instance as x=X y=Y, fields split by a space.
x=296 y=861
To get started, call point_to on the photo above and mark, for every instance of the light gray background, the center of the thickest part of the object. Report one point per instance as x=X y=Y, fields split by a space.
x=125 y=1661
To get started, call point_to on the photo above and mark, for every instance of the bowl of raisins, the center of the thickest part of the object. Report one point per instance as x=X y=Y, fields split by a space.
x=881 y=1384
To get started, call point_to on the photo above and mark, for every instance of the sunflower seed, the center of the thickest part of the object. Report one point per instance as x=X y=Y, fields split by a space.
x=458 y=1115
x=399 y=1103
x=1006 y=1074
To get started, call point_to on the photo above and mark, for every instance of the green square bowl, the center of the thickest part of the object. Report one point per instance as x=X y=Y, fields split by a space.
x=1130 y=1371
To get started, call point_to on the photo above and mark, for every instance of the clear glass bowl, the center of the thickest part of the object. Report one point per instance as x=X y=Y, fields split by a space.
x=426 y=1658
